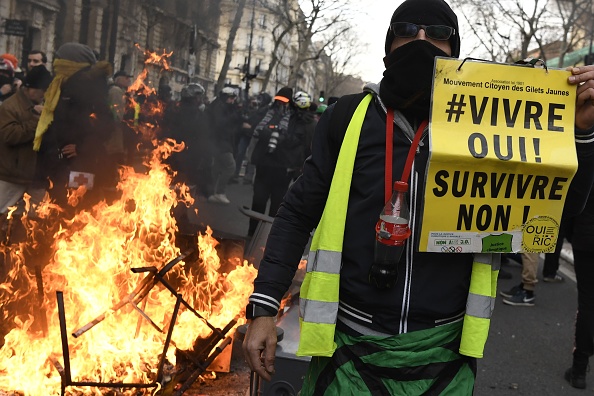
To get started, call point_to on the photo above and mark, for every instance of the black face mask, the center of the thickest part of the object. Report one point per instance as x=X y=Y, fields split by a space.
x=408 y=77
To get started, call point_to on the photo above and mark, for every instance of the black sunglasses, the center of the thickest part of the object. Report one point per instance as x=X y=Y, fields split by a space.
x=435 y=32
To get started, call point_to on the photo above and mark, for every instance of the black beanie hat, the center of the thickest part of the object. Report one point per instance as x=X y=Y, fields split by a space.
x=38 y=77
x=426 y=12
x=284 y=94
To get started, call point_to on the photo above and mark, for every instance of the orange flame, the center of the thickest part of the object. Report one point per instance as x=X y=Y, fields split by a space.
x=90 y=260
x=156 y=59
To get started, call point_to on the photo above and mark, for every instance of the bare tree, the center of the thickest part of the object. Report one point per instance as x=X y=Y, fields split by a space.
x=490 y=39
x=284 y=24
x=230 y=42
x=323 y=21
x=575 y=16
x=506 y=30
x=338 y=60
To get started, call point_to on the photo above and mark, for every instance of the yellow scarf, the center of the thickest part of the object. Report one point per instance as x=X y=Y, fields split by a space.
x=63 y=70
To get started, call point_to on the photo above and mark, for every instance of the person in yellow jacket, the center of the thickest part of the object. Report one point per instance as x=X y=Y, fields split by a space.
x=423 y=334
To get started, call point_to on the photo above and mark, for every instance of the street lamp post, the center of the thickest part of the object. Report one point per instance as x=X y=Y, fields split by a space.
x=248 y=77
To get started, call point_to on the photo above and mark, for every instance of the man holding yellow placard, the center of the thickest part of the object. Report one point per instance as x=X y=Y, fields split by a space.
x=422 y=333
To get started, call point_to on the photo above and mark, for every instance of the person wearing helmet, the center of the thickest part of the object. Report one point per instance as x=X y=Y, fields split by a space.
x=187 y=123
x=224 y=120
x=302 y=123
x=252 y=118
x=280 y=150
x=228 y=93
x=264 y=99
x=19 y=74
x=302 y=100
x=193 y=92
x=267 y=154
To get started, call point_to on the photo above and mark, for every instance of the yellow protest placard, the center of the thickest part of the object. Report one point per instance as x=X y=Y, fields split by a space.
x=502 y=158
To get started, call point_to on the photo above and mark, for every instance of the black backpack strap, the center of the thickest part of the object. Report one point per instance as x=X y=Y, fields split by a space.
x=341 y=116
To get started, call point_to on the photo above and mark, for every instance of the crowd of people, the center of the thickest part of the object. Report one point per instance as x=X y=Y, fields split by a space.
x=263 y=140
x=54 y=128
x=75 y=127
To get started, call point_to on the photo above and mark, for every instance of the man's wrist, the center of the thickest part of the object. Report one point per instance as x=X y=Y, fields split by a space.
x=253 y=311
x=583 y=131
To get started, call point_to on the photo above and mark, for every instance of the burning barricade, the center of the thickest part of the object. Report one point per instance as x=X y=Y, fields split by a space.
x=107 y=300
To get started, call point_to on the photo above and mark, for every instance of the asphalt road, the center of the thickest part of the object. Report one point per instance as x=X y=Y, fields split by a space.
x=529 y=348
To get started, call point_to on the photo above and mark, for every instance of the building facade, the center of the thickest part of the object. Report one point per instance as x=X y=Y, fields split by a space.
x=120 y=31
x=191 y=34
x=26 y=25
x=264 y=48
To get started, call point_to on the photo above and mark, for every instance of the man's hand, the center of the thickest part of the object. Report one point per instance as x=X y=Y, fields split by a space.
x=38 y=109
x=69 y=151
x=259 y=346
x=6 y=88
x=583 y=77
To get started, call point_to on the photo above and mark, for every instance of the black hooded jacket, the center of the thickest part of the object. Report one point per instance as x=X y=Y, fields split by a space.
x=82 y=117
x=224 y=121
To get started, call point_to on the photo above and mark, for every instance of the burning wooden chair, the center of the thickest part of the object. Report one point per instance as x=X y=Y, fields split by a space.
x=205 y=353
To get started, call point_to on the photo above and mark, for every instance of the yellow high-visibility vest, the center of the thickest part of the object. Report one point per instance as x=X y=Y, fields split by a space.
x=136 y=113
x=319 y=295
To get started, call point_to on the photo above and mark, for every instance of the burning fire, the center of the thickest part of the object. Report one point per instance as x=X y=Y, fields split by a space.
x=90 y=260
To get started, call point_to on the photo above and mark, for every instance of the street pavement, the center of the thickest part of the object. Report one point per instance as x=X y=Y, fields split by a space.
x=529 y=348
x=225 y=220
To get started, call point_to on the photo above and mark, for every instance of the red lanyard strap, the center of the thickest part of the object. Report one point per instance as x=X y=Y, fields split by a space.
x=389 y=152
x=411 y=152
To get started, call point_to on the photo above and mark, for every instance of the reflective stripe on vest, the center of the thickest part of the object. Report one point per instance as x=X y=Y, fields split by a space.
x=318 y=302
x=324 y=261
x=480 y=304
